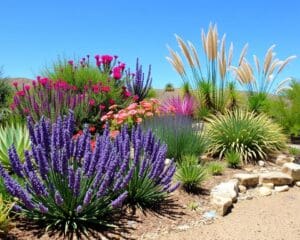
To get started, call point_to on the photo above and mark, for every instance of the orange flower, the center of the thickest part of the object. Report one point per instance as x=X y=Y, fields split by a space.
x=132 y=106
x=154 y=100
x=114 y=133
x=146 y=105
x=141 y=111
x=138 y=120
x=132 y=112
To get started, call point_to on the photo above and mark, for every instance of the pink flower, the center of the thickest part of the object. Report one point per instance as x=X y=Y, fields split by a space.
x=132 y=106
x=106 y=59
x=26 y=110
x=27 y=87
x=101 y=107
x=92 y=102
x=111 y=101
x=15 y=84
x=34 y=83
x=113 y=107
x=105 y=88
x=116 y=72
x=149 y=114
x=132 y=112
x=122 y=66
x=139 y=120
x=135 y=97
x=126 y=94
x=104 y=118
x=71 y=62
x=146 y=105
x=21 y=93
x=96 y=88
x=114 y=133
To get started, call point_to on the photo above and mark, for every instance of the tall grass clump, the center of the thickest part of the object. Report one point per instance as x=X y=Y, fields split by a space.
x=178 y=134
x=250 y=135
x=263 y=79
x=209 y=77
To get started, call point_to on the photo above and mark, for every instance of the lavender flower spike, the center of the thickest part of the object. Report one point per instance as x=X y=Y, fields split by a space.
x=119 y=201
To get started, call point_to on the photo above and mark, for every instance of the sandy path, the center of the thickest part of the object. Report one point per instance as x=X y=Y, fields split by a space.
x=275 y=217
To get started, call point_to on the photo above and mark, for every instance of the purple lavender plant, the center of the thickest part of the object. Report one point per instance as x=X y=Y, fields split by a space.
x=136 y=83
x=68 y=185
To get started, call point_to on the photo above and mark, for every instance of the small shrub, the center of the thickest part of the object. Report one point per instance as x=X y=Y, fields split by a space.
x=151 y=93
x=74 y=185
x=136 y=83
x=169 y=87
x=248 y=134
x=233 y=159
x=178 y=134
x=215 y=168
x=294 y=151
x=16 y=135
x=190 y=173
x=6 y=92
x=180 y=106
x=5 y=223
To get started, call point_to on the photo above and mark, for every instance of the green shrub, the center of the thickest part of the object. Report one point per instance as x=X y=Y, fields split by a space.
x=13 y=134
x=6 y=91
x=169 y=87
x=285 y=109
x=233 y=159
x=5 y=223
x=190 y=173
x=215 y=168
x=250 y=135
x=294 y=151
x=178 y=134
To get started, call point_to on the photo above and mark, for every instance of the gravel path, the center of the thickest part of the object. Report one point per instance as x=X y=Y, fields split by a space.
x=276 y=217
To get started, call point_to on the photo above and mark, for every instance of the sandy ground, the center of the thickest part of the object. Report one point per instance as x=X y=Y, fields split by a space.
x=275 y=217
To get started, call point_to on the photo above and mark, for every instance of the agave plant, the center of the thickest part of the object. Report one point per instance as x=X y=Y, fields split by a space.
x=210 y=81
x=264 y=79
x=16 y=135
x=136 y=83
x=250 y=135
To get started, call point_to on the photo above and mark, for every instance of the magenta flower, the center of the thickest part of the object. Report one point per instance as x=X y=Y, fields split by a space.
x=179 y=106
x=106 y=59
x=117 y=73
x=71 y=62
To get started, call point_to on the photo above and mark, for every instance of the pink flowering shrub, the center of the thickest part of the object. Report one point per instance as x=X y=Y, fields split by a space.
x=180 y=106
x=133 y=114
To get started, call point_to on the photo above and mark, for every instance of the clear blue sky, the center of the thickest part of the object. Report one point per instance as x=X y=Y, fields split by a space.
x=34 y=33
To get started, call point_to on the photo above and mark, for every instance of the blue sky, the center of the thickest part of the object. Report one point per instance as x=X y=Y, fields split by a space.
x=34 y=33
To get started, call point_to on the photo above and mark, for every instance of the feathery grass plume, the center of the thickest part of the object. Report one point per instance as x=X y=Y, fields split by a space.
x=264 y=80
x=209 y=82
x=248 y=134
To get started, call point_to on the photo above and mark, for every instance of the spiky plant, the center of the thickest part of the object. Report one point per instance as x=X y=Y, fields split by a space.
x=180 y=106
x=16 y=135
x=136 y=83
x=248 y=134
x=215 y=168
x=263 y=80
x=210 y=81
x=233 y=159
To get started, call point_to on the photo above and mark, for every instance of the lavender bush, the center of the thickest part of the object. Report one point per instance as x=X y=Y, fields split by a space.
x=68 y=185
x=136 y=83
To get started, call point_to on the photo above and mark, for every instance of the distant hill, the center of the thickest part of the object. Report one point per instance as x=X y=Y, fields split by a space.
x=20 y=80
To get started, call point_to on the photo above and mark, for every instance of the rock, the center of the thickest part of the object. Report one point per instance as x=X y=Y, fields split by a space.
x=268 y=185
x=167 y=161
x=222 y=205
x=283 y=188
x=261 y=163
x=264 y=191
x=246 y=179
x=283 y=158
x=206 y=158
x=277 y=178
x=292 y=169
x=242 y=189
x=183 y=227
x=210 y=215
x=226 y=190
x=248 y=169
x=297 y=183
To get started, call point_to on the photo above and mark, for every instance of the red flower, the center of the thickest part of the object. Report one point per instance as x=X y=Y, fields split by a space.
x=26 y=110
x=21 y=93
x=116 y=72
x=27 y=87
x=92 y=102
x=93 y=144
x=135 y=97
x=105 y=88
x=122 y=66
x=96 y=88
x=78 y=134
x=15 y=84
x=102 y=107
x=92 y=129
x=111 y=101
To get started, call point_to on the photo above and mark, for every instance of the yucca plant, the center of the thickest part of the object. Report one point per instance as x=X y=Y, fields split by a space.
x=16 y=135
x=248 y=134
x=264 y=79
x=190 y=173
x=210 y=81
